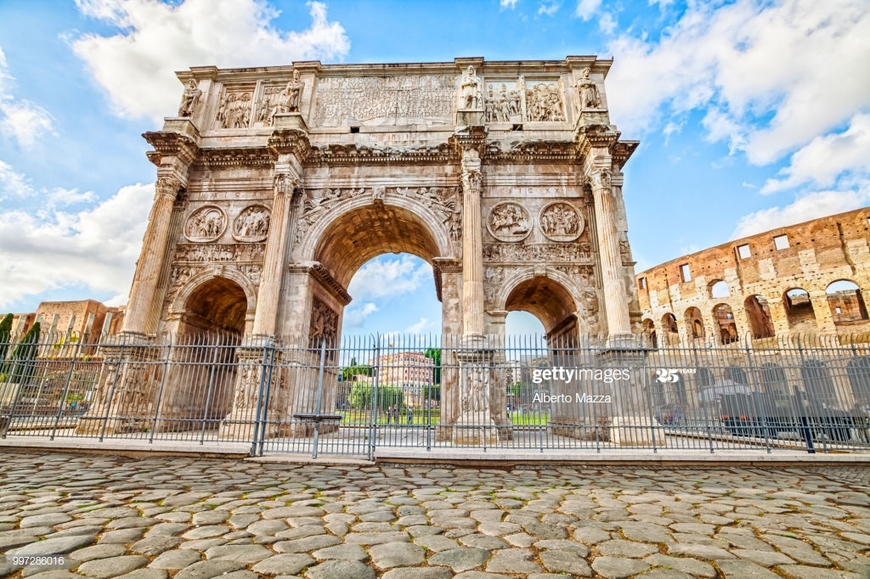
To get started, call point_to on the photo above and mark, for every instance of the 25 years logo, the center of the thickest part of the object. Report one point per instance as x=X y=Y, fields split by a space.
x=672 y=375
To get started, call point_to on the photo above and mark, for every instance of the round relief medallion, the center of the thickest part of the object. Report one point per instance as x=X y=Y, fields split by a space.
x=205 y=224
x=561 y=221
x=252 y=224
x=509 y=222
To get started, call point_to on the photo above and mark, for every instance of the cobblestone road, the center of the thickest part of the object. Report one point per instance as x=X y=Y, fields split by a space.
x=195 y=519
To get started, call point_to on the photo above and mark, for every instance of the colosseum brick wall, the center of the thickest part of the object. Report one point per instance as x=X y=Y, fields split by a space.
x=803 y=279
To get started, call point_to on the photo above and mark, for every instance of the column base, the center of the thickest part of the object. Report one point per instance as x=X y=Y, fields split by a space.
x=475 y=429
x=581 y=429
x=635 y=431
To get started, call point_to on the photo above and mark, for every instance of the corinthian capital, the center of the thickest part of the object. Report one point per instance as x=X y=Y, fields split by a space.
x=167 y=186
x=472 y=181
x=285 y=183
x=601 y=181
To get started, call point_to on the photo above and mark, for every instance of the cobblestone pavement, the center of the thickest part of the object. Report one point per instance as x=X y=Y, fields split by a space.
x=195 y=519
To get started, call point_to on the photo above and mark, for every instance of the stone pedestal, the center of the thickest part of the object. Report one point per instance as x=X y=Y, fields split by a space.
x=248 y=393
x=127 y=392
x=475 y=425
x=635 y=431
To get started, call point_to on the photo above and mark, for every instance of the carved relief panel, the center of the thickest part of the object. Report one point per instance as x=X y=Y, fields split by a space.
x=509 y=221
x=544 y=101
x=205 y=224
x=324 y=323
x=252 y=224
x=504 y=101
x=234 y=108
x=561 y=221
x=383 y=100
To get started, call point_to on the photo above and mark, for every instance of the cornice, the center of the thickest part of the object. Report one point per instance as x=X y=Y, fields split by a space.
x=352 y=154
x=319 y=272
x=170 y=144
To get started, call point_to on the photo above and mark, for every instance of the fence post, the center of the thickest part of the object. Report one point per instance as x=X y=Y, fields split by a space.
x=65 y=390
x=214 y=359
x=707 y=422
x=373 y=420
x=319 y=399
x=805 y=427
x=160 y=390
x=263 y=398
x=118 y=372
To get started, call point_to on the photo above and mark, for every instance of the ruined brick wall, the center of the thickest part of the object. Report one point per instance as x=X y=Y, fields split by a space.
x=775 y=283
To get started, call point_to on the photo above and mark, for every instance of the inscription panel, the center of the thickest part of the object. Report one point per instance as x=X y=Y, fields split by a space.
x=384 y=100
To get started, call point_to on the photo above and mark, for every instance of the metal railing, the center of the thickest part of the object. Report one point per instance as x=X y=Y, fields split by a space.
x=809 y=393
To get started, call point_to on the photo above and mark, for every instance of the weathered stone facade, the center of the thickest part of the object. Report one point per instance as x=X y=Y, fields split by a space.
x=803 y=279
x=275 y=185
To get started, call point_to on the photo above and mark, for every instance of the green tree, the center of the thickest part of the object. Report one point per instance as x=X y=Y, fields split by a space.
x=435 y=355
x=354 y=370
x=22 y=363
x=5 y=336
x=362 y=396
x=432 y=392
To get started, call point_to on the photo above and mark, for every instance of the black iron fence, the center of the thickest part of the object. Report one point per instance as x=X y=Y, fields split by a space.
x=809 y=393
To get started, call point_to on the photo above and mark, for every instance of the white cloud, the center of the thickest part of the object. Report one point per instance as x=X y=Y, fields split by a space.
x=510 y=4
x=776 y=75
x=827 y=157
x=19 y=118
x=66 y=197
x=607 y=23
x=420 y=326
x=805 y=208
x=355 y=316
x=549 y=8
x=586 y=8
x=70 y=249
x=136 y=66
x=385 y=277
x=13 y=184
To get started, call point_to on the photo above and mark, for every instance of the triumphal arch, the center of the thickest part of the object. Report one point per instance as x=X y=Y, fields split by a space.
x=275 y=185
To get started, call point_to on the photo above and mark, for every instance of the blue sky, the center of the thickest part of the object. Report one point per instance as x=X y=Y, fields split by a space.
x=751 y=115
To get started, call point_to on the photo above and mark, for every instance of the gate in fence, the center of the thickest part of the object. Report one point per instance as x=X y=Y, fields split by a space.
x=809 y=393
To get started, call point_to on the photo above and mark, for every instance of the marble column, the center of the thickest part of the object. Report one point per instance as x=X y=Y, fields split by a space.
x=472 y=246
x=266 y=318
x=145 y=282
x=615 y=296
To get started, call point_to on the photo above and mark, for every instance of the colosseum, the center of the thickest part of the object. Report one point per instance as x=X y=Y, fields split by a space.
x=803 y=279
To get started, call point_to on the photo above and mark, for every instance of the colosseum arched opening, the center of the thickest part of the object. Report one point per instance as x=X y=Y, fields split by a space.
x=723 y=317
x=670 y=330
x=758 y=315
x=694 y=324
x=846 y=302
x=799 y=311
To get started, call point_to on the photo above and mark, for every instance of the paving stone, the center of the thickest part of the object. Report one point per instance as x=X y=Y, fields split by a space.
x=618 y=567
x=461 y=559
x=210 y=517
x=421 y=573
x=352 y=552
x=307 y=544
x=58 y=546
x=645 y=533
x=739 y=569
x=265 y=527
x=122 y=536
x=389 y=555
x=209 y=569
x=241 y=521
x=513 y=561
x=699 y=551
x=148 y=574
x=300 y=532
x=480 y=575
x=665 y=574
x=375 y=538
x=167 y=529
x=45 y=520
x=151 y=546
x=113 y=567
x=621 y=548
x=206 y=532
x=243 y=553
x=202 y=545
x=131 y=523
x=590 y=535
x=178 y=559
x=542 y=531
x=98 y=552
x=292 y=511
x=559 y=561
x=807 y=572
x=483 y=542
x=287 y=563
x=436 y=543
x=340 y=569
x=763 y=558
